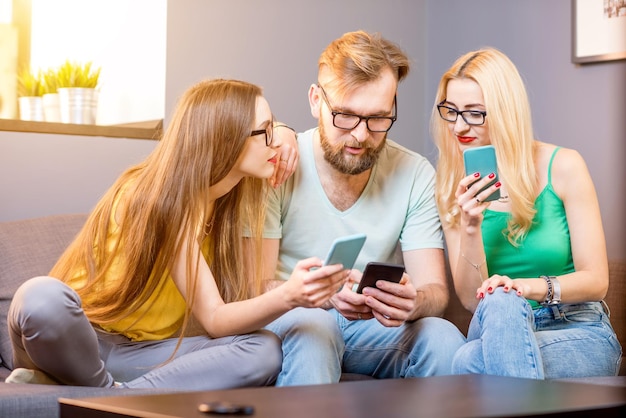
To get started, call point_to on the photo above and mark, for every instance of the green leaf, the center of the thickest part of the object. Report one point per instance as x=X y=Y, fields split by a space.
x=29 y=83
x=75 y=74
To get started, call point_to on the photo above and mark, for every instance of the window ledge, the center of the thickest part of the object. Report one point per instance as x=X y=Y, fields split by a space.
x=150 y=130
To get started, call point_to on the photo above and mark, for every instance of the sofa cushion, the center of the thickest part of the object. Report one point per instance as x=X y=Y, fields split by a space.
x=29 y=248
x=41 y=401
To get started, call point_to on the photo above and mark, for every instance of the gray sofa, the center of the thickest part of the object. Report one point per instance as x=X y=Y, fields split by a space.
x=30 y=247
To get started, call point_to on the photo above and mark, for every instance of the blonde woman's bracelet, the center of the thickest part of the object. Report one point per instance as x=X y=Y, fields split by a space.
x=553 y=297
x=477 y=267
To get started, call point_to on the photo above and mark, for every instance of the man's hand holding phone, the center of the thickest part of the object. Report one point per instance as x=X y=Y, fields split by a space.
x=379 y=271
x=389 y=302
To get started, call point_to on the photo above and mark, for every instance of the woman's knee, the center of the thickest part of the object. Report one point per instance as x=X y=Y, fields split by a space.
x=468 y=359
x=306 y=323
x=265 y=361
x=440 y=331
x=41 y=299
x=501 y=302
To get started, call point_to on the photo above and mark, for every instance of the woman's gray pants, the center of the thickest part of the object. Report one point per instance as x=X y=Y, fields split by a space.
x=50 y=332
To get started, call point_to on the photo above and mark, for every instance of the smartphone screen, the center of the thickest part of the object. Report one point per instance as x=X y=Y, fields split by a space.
x=482 y=160
x=345 y=250
x=375 y=271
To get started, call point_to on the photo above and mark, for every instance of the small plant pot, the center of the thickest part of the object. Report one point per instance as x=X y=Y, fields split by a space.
x=78 y=105
x=51 y=107
x=31 y=108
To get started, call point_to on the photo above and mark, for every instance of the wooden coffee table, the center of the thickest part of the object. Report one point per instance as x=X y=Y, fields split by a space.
x=442 y=396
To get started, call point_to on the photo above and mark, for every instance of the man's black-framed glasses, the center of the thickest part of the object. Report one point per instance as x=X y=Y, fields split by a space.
x=268 y=132
x=349 y=121
x=471 y=117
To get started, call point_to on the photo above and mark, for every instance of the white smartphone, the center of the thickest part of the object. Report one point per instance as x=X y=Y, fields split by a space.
x=482 y=160
x=375 y=271
x=345 y=250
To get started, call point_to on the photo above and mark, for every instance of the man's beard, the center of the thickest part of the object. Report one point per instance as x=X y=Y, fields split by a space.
x=348 y=164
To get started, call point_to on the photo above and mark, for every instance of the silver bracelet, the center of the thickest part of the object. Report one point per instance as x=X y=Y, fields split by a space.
x=554 y=291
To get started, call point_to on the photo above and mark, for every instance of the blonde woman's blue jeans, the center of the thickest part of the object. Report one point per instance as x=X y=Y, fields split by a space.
x=506 y=337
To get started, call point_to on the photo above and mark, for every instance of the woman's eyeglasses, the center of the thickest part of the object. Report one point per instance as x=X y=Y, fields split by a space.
x=268 y=132
x=471 y=117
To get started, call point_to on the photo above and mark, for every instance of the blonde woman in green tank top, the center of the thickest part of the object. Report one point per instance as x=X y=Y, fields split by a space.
x=531 y=265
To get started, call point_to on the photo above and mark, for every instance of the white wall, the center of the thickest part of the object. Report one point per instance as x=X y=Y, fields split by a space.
x=125 y=38
x=45 y=174
x=276 y=44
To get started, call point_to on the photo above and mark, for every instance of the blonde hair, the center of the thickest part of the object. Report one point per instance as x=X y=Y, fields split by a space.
x=163 y=201
x=357 y=58
x=510 y=129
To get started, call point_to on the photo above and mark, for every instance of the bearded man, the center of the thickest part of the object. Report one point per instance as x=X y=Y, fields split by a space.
x=352 y=179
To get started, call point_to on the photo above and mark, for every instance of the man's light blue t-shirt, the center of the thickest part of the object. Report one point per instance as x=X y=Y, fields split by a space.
x=397 y=206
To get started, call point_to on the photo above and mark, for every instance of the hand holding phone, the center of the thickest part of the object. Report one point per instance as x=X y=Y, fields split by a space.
x=375 y=271
x=482 y=160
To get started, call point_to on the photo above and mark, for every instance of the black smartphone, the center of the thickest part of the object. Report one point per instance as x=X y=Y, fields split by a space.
x=375 y=271
x=225 y=408
x=482 y=160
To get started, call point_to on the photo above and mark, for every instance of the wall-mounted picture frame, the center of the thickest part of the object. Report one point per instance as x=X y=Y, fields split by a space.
x=598 y=30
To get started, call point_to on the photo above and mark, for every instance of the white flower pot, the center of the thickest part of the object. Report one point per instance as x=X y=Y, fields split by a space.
x=31 y=108
x=78 y=105
x=51 y=107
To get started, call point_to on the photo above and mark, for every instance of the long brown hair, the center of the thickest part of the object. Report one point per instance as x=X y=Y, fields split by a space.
x=164 y=200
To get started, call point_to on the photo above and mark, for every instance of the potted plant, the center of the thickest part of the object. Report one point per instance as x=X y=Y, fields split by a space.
x=29 y=91
x=50 y=96
x=76 y=83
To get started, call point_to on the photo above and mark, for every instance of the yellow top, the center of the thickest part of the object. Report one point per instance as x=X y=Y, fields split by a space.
x=160 y=317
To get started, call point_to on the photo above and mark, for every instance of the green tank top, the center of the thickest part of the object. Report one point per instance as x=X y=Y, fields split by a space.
x=546 y=249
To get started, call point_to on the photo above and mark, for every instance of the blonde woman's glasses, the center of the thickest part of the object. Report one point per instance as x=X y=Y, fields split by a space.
x=471 y=117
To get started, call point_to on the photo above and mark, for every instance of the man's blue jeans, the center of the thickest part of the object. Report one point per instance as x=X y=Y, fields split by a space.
x=319 y=345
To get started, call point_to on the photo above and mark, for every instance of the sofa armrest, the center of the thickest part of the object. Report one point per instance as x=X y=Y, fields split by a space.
x=29 y=248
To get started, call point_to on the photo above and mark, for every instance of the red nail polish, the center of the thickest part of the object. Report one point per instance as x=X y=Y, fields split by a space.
x=492 y=175
x=498 y=184
x=490 y=289
x=476 y=174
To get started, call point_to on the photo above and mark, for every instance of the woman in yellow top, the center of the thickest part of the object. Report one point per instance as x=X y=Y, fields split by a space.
x=160 y=289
